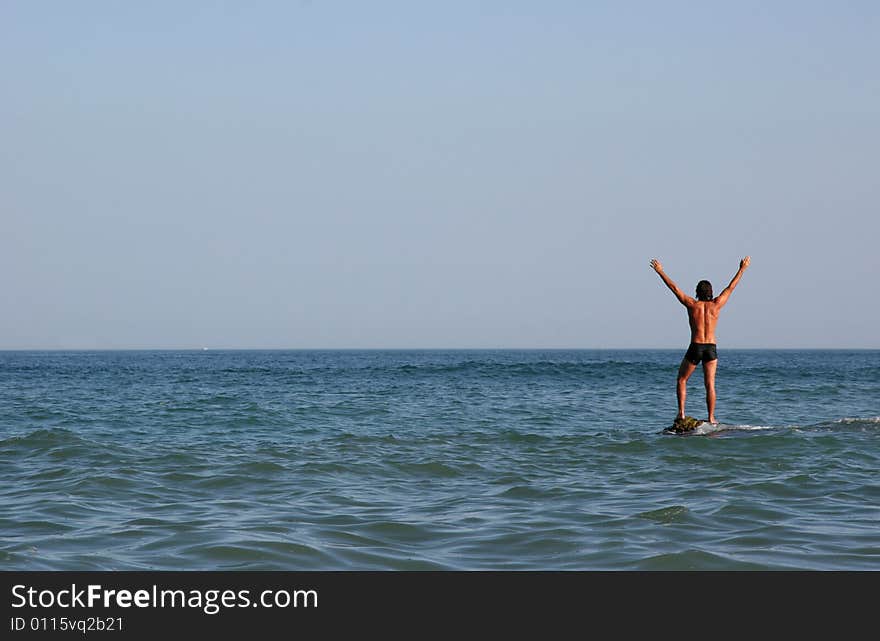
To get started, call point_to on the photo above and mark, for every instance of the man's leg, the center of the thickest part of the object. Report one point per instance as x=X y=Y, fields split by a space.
x=709 y=368
x=684 y=373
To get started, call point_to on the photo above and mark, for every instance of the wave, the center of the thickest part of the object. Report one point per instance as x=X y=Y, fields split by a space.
x=43 y=438
x=707 y=428
x=530 y=368
x=848 y=423
x=866 y=423
x=874 y=420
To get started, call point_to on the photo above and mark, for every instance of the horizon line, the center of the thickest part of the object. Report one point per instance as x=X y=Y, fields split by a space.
x=403 y=349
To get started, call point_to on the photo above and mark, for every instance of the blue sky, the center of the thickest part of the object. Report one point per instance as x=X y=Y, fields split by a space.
x=456 y=174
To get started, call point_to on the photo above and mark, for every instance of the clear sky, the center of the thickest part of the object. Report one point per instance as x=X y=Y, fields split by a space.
x=333 y=174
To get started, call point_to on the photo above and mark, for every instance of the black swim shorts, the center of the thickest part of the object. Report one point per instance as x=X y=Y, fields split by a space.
x=701 y=352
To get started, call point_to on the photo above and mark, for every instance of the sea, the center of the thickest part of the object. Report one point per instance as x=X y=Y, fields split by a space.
x=457 y=460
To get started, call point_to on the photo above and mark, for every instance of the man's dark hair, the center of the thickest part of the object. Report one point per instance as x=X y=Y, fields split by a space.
x=704 y=290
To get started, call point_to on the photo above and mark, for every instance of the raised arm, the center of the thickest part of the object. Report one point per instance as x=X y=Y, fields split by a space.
x=721 y=299
x=680 y=295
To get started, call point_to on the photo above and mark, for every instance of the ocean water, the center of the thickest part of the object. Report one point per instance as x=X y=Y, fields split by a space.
x=436 y=460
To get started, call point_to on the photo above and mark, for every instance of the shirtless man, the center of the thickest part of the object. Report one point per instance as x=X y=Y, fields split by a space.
x=703 y=317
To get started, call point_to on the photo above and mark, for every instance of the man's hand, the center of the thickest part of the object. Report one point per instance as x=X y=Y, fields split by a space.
x=657 y=267
x=745 y=262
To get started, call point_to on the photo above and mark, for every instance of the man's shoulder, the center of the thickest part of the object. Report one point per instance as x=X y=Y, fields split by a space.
x=702 y=306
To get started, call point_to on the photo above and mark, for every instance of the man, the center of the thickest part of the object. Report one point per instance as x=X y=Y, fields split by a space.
x=703 y=317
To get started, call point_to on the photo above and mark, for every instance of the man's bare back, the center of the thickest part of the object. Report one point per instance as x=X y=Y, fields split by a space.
x=703 y=318
x=703 y=313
